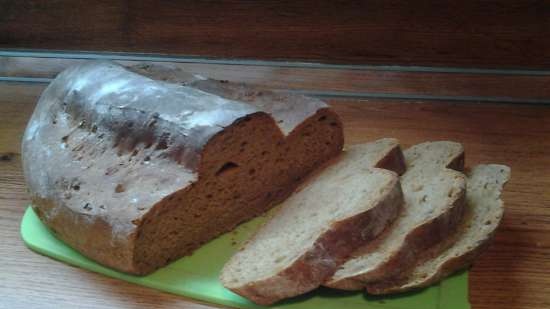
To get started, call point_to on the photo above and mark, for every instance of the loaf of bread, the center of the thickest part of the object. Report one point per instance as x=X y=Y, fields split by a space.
x=483 y=214
x=135 y=167
x=135 y=172
x=314 y=231
x=434 y=205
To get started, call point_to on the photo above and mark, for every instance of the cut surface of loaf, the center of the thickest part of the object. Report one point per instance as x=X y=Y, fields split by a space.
x=135 y=172
x=434 y=204
x=483 y=214
x=345 y=205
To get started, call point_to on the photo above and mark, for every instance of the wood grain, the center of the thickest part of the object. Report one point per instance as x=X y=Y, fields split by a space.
x=514 y=273
x=512 y=33
x=519 y=88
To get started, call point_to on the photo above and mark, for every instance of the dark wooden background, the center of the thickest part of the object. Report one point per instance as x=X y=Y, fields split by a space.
x=503 y=34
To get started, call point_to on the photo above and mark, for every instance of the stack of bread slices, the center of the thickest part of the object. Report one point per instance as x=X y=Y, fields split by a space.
x=376 y=219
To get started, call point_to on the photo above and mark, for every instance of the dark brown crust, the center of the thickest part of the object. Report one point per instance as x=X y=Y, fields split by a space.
x=457 y=163
x=94 y=242
x=394 y=161
x=329 y=251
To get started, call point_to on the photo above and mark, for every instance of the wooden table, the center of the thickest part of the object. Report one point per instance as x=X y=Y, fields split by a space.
x=513 y=273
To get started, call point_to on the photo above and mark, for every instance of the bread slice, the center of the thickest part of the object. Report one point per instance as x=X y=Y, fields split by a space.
x=434 y=204
x=483 y=213
x=315 y=230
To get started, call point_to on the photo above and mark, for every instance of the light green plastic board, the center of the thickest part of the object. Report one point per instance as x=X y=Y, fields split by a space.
x=196 y=276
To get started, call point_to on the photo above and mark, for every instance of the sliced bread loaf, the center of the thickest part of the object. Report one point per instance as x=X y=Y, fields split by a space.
x=434 y=204
x=135 y=172
x=315 y=230
x=483 y=213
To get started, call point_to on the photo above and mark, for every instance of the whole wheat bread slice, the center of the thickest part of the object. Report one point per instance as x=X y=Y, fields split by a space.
x=315 y=230
x=483 y=214
x=434 y=205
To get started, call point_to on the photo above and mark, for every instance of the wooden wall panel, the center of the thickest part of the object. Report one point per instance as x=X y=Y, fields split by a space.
x=512 y=33
x=343 y=81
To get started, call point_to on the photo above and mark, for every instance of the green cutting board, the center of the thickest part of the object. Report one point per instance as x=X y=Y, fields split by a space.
x=196 y=276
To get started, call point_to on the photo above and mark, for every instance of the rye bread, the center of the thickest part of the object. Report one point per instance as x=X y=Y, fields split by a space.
x=483 y=215
x=434 y=204
x=344 y=206
x=135 y=172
